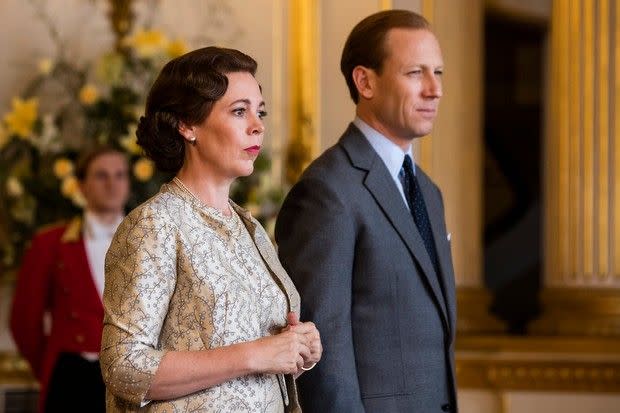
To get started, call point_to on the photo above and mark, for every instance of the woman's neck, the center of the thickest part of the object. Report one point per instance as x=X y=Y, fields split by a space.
x=210 y=190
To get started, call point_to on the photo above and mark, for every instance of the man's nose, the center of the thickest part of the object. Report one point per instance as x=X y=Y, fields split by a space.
x=433 y=87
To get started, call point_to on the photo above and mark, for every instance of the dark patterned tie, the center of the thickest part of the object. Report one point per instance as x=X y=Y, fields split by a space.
x=418 y=208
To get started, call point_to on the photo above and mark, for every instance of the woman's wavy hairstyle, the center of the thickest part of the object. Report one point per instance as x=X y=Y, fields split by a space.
x=185 y=91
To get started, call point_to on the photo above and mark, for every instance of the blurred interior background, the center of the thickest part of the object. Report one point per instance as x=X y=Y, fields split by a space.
x=526 y=150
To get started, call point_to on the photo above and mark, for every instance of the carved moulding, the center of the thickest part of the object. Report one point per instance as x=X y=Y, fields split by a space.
x=539 y=364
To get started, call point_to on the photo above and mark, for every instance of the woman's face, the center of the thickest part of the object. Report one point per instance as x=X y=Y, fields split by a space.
x=230 y=138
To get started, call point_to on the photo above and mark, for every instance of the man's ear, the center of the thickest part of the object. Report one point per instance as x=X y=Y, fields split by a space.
x=364 y=79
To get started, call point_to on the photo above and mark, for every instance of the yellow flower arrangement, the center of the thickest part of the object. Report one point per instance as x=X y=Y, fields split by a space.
x=4 y=136
x=176 y=48
x=45 y=66
x=110 y=68
x=63 y=167
x=101 y=105
x=143 y=169
x=147 y=43
x=14 y=188
x=89 y=94
x=20 y=121
x=130 y=142
x=69 y=186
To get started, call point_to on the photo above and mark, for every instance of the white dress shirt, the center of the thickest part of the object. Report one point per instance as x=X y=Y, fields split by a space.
x=391 y=154
x=97 y=240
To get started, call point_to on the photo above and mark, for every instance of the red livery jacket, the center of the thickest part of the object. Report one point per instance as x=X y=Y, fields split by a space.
x=55 y=277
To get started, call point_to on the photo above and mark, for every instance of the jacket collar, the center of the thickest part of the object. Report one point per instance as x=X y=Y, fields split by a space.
x=267 y=251
x=73 y=231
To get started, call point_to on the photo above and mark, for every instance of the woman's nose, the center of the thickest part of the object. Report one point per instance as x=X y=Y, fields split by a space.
x=257 y=126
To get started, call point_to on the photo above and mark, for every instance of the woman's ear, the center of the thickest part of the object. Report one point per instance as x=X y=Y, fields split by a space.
x=188 y=132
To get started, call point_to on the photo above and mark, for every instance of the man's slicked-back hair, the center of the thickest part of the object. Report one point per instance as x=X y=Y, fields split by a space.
x=365 y=46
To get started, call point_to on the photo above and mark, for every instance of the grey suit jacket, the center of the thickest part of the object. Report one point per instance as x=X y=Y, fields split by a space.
x=386 y=318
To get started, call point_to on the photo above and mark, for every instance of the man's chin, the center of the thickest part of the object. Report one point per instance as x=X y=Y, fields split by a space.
x=422 y=132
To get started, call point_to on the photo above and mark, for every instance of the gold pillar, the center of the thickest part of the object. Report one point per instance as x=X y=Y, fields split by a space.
x=582 y=182
x=385 y=4
x=453 y=155
x=304 y=141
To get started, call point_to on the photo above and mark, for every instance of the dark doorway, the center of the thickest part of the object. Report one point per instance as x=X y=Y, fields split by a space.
x=513 y=107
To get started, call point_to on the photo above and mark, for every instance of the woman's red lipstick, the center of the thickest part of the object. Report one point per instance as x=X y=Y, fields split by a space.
x=253 y=150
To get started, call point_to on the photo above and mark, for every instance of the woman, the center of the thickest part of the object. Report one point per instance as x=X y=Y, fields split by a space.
x=199 y=313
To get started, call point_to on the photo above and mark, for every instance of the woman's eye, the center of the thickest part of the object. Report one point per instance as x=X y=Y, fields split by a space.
x=239 y=111
x=262 y=113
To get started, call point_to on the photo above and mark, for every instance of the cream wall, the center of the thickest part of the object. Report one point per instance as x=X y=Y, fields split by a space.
x=336 y=107
x=24 y=39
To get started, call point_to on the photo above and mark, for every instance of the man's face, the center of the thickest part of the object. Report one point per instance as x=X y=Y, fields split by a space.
x=405 y=96
x=106 y=184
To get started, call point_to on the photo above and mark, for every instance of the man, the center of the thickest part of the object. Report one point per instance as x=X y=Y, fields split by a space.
x=363 y=236
x=61 y=279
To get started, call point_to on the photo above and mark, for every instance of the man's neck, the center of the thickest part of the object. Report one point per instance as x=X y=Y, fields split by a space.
x=105 y=217
x=371 y=120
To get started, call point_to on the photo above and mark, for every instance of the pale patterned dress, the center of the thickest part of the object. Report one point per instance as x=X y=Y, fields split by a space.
x=182 y=276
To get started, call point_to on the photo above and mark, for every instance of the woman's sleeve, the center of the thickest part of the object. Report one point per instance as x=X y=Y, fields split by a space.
x=140 y=277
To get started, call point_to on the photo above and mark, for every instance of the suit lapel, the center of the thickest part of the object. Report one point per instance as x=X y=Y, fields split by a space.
x=442 y=246
x=380 y=184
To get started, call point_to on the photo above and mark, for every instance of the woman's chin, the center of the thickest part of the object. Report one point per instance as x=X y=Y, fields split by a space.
x=246 y=170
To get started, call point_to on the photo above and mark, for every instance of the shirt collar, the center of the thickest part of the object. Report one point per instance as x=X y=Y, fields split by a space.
x=391 y=154
x=95 y=229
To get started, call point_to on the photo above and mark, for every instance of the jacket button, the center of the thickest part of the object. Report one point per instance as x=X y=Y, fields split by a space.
x=61 y=266
x=446 y=407
x=79 y=338
x=73 y=315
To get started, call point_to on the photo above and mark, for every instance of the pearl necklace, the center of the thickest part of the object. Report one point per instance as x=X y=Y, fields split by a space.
x=181 y=185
